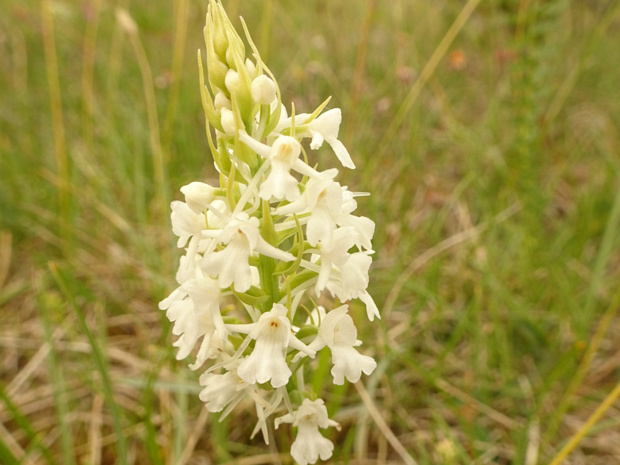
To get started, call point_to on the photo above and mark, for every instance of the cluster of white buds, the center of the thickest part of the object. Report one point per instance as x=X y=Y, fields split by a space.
x=262 y=247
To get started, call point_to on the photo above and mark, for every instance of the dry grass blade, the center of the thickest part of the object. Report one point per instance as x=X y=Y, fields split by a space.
x=262 y=459
x=94 y=435
x=383 y=426
x=193 y=438
x=483 y=408
x=598 y=413
x=5 y=255
x=10 y=442
x=584 y=366
x=35 y=362
x=444 y=245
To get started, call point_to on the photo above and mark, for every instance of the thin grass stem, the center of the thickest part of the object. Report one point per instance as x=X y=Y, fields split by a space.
x=579 y=435
x=58 y=126
x=100 y=363
x=425 y=75
x=177 y=72
x=584 y=366
x=61 y=403
x=360 y=64
x=88 y=68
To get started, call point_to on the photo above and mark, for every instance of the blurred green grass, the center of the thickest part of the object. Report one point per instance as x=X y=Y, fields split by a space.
x=496 y=200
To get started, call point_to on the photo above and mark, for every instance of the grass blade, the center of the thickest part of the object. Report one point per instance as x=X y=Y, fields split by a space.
x=60 y=392
x=100 y=363
x=25 y=426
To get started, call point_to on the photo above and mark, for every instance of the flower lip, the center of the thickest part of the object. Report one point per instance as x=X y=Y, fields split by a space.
x=285 y=149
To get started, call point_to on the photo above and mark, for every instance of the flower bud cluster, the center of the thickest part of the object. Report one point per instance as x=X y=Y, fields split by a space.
x=262 y=247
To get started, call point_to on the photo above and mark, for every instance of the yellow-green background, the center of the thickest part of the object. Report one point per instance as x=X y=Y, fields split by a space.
x=487 y=132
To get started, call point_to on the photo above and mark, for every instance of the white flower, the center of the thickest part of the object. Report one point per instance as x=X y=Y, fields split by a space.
x=221 y=390
x=283 y=156
x=326 y=127
x=185 y=222
x=309 y=444
x=194 y=309
x=280 y=184
x=198 y=196
x=273 y=336
x=349 y=271
x=338 y=332
x=353 y=274
x=323 y=198
x=335 y=255
x=323 y=128
x=189 y=264
x=263 y=90
x=230 y=265
x=336 y=288
x=224 y=391
x=361 y=228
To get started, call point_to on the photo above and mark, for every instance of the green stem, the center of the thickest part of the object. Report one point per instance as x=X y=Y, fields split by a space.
x=267 y=267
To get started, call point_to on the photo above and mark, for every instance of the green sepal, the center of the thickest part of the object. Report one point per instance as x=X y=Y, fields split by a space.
x=223 y=159
x=230 y=195
x=262 y=123
x=216 y=70
x=235 y=43
x=236 y=340
x=246 y=155
x=317 y=112
x=274 y=117
x=254 y=296
x=207 y=103
x=304 y=127
x=296 y=280
x=267 y=229
x=307 y=331
x=232 y=320
x=298 y=248
x=243 y=94
x=220 y=40
x=286 y=234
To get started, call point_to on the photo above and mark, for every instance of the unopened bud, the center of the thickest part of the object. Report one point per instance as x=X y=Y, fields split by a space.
x=221 y=101
x=198 y=196
x=236 y=51
x=218 y=33
x=231 y=80
x=251 y=67
x=263 y=90
x=228 y=122
x=215 y=68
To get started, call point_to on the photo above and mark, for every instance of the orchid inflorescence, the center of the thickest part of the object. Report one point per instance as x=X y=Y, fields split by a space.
x=263 y=246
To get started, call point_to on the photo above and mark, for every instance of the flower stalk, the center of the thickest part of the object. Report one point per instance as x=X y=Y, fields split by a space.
x=276 y=236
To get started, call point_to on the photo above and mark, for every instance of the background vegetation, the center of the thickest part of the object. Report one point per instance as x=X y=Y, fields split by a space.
x=488 y=133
